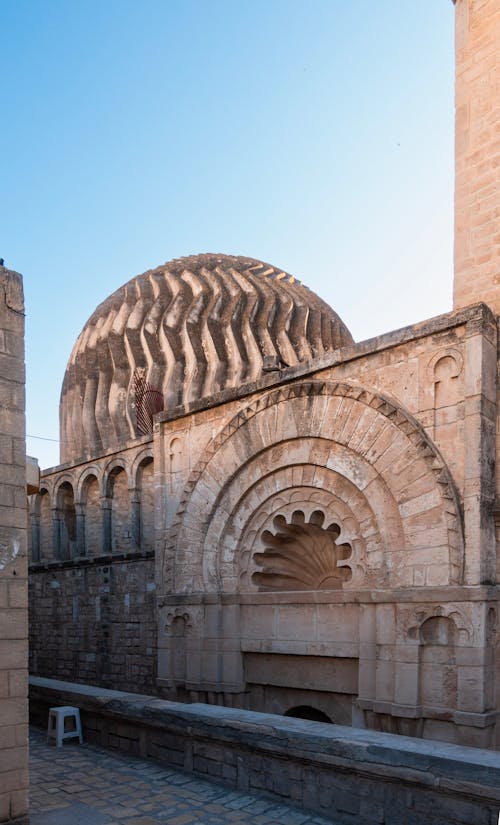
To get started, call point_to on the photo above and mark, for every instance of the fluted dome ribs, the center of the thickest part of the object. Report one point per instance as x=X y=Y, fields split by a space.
x=193 y=327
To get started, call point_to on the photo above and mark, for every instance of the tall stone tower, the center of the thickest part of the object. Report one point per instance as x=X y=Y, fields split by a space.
x=13 y=557
x=477 y=154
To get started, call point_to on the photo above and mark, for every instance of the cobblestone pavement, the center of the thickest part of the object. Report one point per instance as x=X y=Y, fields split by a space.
x=86 y=785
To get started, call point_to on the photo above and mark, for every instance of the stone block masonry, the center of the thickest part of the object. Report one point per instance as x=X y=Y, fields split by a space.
x=477 y=154
x=93 y=620
x=13 y=562
x=347 y=775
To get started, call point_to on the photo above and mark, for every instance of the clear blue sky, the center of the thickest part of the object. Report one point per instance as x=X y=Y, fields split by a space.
x=314 y=134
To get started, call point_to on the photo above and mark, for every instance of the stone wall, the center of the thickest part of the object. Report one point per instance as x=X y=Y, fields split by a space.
x=93 y=620
x=477 y=148
x=92 y=585
x=341 y=517
x=351 y=776
x=13 y=567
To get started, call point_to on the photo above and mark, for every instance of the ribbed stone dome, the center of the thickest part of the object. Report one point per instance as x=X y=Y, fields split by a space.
x=184 y=331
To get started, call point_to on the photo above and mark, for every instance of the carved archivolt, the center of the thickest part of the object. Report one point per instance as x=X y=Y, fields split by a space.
x=364 y=454
x=333 y=513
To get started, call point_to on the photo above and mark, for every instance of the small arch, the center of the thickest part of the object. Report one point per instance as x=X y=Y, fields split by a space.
x=112 y=470
x=64 y=479
x=142 y=457
x=438 y=630
x=91 y=505
x=308 y=712
x=67 y=520
x=92 y=471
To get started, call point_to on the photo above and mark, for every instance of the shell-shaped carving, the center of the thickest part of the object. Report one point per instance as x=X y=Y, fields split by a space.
x=301 y=556
x=193 y=327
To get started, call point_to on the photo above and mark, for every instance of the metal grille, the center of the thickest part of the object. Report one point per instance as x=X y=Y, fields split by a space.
x=148 y=402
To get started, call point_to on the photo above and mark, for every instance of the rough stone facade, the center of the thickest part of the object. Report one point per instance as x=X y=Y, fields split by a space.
x=322 y=515
x=13 y=557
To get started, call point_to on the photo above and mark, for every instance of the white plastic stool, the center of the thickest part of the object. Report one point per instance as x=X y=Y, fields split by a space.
x=57 y=725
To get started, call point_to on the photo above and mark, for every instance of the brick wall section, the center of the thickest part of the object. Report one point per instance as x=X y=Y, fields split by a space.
x=477 y=154
x=13 y=570
x=93 y=620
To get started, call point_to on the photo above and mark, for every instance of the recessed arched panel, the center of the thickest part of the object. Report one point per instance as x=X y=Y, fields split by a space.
x=145 y=488
x=67 y=520
x=93 y=515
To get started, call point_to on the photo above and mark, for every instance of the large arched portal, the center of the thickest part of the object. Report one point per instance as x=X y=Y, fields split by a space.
x=316 y=492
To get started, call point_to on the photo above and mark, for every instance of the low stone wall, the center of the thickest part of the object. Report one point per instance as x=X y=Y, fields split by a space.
x=350 y=775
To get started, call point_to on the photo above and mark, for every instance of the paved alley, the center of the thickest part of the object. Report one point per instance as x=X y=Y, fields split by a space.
x=86 y=785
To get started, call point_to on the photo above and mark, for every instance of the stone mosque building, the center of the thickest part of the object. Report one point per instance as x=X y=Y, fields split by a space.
x=255 y=511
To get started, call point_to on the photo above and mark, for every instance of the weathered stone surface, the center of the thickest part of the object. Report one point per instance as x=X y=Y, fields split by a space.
x=13 y=567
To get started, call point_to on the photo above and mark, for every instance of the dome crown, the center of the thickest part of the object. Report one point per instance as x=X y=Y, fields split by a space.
x=181 y=332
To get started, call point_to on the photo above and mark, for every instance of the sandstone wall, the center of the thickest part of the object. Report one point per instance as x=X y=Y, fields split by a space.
x=477 y=154
x=13 y=567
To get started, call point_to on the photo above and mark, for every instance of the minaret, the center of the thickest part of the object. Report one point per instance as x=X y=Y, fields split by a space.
x=477 y=154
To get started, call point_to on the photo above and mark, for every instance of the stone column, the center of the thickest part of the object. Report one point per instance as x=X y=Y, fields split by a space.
x=80 y=530
x=135 y=516
x=35 y=536
x=479 y=437
x=106 y=524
